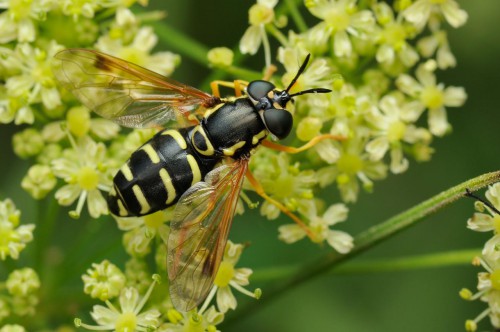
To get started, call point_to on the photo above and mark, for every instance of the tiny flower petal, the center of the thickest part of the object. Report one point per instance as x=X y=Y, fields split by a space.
x=340 y=241
x=225 y=299
x=454 y=96
x=336 y=213
x=251 y=40
x=291 y=233
x=453 y=14
x=342 y=45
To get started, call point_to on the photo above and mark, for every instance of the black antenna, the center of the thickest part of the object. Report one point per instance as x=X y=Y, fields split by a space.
x=301 y=70
x=317 y=90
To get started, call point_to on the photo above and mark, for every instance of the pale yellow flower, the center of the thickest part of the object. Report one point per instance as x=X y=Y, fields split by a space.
x=138 y=51
x=128 y=316
x=392 y=38
x=259 y=15
x=84 y=169
x=13 y=236
x=420 y=11
x=320 y=227
x=341 y=19
x=434 y=96
x=393 y=128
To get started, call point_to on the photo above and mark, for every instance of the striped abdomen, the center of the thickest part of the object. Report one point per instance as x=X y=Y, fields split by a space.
x=157 y=174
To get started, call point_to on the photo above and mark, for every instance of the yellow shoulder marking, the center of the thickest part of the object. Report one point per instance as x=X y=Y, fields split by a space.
x=212 y=110
x=210 y=148
x=258 y=137
x=232 y=150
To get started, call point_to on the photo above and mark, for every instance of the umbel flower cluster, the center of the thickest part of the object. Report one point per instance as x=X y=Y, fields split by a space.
x=487 y=219
x=380 y=60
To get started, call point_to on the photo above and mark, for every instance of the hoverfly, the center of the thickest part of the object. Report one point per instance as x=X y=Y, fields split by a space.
x=181 y=164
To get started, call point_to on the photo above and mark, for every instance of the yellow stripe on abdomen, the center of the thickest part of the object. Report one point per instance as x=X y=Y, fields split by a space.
x=195 y=169
x=152 y=154
x=141 y=199
x=167 y=182
x=121 y=208
x=127 y=172
x=177 y=137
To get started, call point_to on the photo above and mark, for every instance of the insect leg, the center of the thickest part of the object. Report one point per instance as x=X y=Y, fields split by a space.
x=260 y=191
x=237 y=85
x=308 y=145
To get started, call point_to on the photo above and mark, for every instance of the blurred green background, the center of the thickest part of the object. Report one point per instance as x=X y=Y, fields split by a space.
x=396 y=301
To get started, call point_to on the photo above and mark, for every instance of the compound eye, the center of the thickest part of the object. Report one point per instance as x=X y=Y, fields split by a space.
x=259 y=89
x=279 y=122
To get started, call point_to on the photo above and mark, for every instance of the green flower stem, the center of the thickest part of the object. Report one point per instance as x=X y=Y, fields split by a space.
x=242 y=73
x=105 y=15
x=441 y=259
x=291 y=5
x=179 y=42
x=151 y=16
x=409 y=217
x=277 y=34
x=218 y=74
x=40 y=117
x=364 y=4
x=371 y=237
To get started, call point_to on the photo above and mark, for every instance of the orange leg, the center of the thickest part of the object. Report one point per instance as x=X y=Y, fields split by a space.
x=308 y=145
x=237 y=85
x=260 y=191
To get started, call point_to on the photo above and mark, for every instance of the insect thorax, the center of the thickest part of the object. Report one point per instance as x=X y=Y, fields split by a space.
x=233 y=129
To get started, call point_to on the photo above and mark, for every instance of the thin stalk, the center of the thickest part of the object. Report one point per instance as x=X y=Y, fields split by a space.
x=370 y=238
x=179 y=42
x=151 y=16
x=434 y=260
x=242 y=73
x=271 y=28
x=409 y=217
x=40 y=117
x=415 y=262
x=266 y=46
x=291 y=5
x=221 y=73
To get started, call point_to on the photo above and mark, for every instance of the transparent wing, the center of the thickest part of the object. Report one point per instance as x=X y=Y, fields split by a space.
x=199 y=232
x=126 y=93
